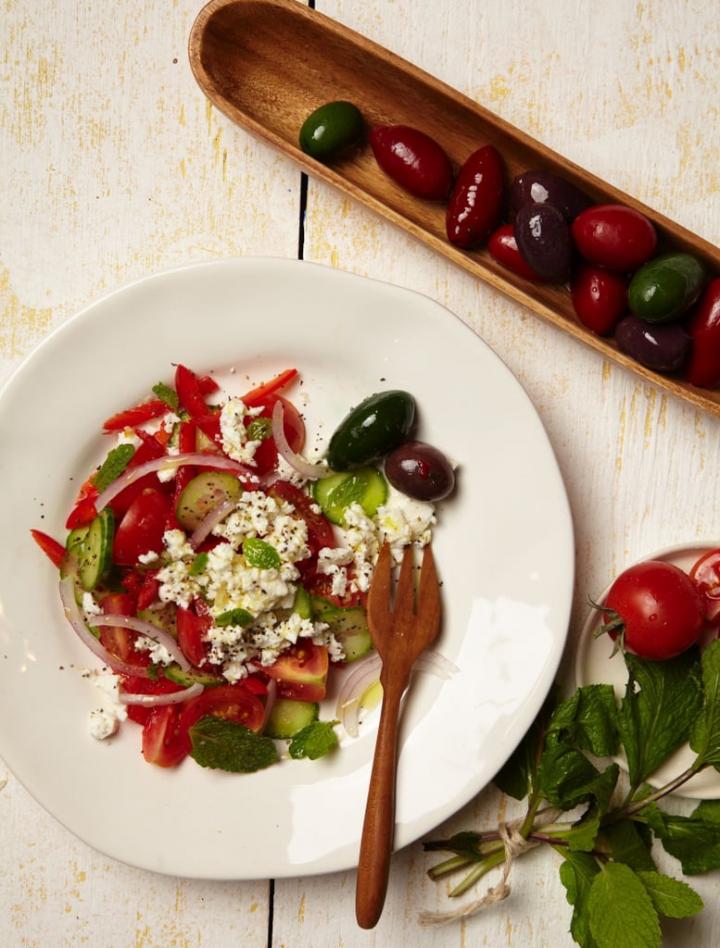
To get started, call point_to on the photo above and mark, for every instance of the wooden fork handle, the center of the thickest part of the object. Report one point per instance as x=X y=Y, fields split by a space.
x=379 y=825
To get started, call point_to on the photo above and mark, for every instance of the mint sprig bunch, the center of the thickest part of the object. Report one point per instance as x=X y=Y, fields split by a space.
x=607 y=868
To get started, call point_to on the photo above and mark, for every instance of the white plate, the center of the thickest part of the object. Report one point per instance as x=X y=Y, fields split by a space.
x=593 y=665
x=504 y=548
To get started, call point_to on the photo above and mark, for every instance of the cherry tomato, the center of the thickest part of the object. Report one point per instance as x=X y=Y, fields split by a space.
x=706 y=576
x=164 y=741
x=476 y=199
x=503 y=248
x=321 y=585
x=413 y=159
x=119 y=641
x=149 y=450
x=148 y=591
x=141 y=529
x=191 y=630
x=294 y=427
x=234 y=703
x=614 y=236
x=145 y=686
x=599 y=298
x=704 y=367
x=54 y=551
x=301 y=672
x=660 y=609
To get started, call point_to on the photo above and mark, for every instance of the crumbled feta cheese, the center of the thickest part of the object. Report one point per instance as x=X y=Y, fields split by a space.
x=147 y=558
x=89 y=606
x=286 y=472
x=177 y=585
x=332 y=562
x=234 y=432
x=169 y=422
x=159 y=654
x=128 y=436
x=232 y=584
x=361 y=537
x=254 y=516
x=289 y=538
x=336 y=652
x=177 y=545
x=402 y=520
x=105 y=720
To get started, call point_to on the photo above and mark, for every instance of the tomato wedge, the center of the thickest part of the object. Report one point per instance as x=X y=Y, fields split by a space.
x=54 y=551
x=141 y=529
x=83 y=513
x=145 y=686
x=234 y=703
x=301 y=672
x=705 y=574
x=149 y=450
x=190 y=395
x=191 y=630
x=138 y=415
x=165 y=742
x=294 y=427
x=119 y=641
x=320 y=531
x=257 y=395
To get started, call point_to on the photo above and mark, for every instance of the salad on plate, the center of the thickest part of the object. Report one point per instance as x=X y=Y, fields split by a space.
x=221 y=576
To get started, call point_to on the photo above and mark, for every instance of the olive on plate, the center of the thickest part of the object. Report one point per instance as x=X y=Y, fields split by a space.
x=420 y=471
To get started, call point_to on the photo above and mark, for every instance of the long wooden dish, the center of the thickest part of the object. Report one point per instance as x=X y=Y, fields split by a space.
x=268 y=63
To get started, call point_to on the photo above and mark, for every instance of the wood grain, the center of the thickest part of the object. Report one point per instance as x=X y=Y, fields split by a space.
x=268 y=63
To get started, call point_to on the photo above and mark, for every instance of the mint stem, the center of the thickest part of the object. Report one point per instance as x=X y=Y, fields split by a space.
x=478 y=872
x=658 y=794
x=449 y=866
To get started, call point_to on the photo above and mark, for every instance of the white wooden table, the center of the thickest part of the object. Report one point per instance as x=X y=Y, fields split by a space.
x=114 y=165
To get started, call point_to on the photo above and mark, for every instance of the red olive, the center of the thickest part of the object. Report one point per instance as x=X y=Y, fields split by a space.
x=414 y=160
x=599 y=297
x=614 y=236
x=503 y=248
x=420 y=471
x=476 y=199
x=704 y=368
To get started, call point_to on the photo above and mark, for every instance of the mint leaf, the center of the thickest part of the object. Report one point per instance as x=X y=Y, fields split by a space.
x=588 y=720
x=671 y=897
x=198 y=565
x=566 y=778
x=576 y=874
x=705 y=734
x=259 y=429
x=694 y=839
x=626 y=845
x=113 y=465
x=661 y=703
x=261 y=554
x=232 y=617
x=581 y=838
x=224 y=745
x=517 y=778
x=314 y=740
x=167 y=395
x=622 y=914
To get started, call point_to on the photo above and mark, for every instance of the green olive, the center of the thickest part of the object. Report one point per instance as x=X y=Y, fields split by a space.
x=666 y=287
x=372 y=430
x=330 y=129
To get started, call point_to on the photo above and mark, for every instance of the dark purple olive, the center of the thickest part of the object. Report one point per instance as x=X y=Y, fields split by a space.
x=543 y=239
x=663 y=347
x=544 y=187
x=420 y=471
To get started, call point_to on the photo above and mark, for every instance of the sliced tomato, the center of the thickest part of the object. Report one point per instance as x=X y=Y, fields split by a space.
x=148 y=591
x=186 y=437
x=54 y=551
x=209 y=424
x=234 y=703
x=149 y=450
x=207 y=385
x=165 y=742
x=141 y=529
x=705 y=574
x=119 y=641
x=294 y=427
x=190 y=395
x=320 y=531
x=321 y=585
x=83 y=513
x=257 y=395
x=145 y=686
x=301 y=672
x=137 y=415
x=191 y=635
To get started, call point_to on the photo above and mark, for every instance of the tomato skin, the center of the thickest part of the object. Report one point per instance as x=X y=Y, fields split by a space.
x=82 y=514
x=141 y=529
x=145 y=686
x=149 y=450
x=54 y=551
x=148 y=591
x=191 y=629
x=234 y=703
x=189 y=393
x=503 y=248
x=266 y=456
x=137 y=415
x=705 y=574
x=662 y=611
x=258 y=395
x=321 y=585
x=301 y=671
x=119 y=641
x=164 y=741
x=704 y=367
x=599 y=298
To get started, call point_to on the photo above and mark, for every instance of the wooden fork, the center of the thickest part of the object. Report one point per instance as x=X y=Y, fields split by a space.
x=401 y=630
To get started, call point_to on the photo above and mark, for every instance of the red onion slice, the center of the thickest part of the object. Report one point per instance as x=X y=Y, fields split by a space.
x=151 y=631
x=155 y=701
x=75 y=618
x=307 y=469
x=215 y=461
x=269 y=702
x=216 y=515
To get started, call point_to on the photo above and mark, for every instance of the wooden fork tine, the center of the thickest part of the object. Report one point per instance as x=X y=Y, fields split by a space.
x=427 y=623
x=378 y=602
x=404 y=604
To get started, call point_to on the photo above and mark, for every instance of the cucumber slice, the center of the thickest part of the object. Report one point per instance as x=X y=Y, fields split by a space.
x=165 y=618
x=302 y=604
x=349 y=626
x=203 y=494
x=288 y=717
x=337 y=492
x=95 y=553
x=187 y=678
